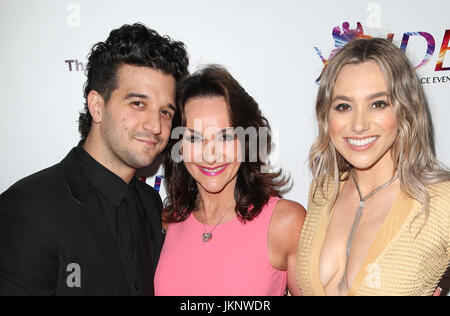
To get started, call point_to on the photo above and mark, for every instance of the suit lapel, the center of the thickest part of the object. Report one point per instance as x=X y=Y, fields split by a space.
x=91 y=212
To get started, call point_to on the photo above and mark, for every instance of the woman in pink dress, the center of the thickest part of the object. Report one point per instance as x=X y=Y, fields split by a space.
x=228 y=232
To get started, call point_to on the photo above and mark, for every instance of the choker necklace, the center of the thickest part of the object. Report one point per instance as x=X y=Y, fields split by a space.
x=206 y=237
x=343 y=284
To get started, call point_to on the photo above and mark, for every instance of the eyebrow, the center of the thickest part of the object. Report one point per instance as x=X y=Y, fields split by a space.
x=193 y=131
x=143 y=96
x=136 y=95
x=223 y=131
x=370 y=97
x=377 y=95
x=172 y=107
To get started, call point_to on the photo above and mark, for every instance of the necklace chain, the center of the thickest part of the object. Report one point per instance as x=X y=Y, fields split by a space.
x=364 y=199
x=206 y=237
x=343 y=284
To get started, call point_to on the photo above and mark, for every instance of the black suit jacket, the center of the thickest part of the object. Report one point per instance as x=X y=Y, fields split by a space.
x=53 y=232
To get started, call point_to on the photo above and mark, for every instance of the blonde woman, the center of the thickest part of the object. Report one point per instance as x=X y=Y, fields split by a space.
x=379 y=205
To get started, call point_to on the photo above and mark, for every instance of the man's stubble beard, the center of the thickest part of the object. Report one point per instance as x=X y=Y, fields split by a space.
x=119 y=142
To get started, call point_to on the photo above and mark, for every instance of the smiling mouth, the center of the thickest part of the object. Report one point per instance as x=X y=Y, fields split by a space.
x=361 y=144
x=212 y=171
x=151 y=143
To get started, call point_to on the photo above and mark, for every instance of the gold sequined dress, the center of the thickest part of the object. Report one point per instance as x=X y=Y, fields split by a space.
x=400 y=261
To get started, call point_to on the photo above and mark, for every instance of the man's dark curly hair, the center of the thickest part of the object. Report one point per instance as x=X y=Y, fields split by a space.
x=132 y=45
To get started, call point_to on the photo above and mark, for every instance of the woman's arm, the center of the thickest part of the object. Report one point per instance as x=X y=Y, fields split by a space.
x=284 y=234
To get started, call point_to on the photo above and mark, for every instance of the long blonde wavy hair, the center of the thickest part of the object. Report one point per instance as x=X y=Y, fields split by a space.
x=413 y=148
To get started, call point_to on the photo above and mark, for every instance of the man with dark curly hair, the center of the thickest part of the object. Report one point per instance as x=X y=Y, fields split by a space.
x=87 y=226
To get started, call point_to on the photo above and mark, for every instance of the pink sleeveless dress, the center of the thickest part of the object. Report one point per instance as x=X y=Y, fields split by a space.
x=235 y=262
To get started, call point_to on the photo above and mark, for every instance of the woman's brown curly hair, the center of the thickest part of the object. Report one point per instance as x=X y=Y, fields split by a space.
x=254 y=187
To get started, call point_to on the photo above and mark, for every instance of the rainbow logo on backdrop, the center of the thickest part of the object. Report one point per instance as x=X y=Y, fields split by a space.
x=342 y=36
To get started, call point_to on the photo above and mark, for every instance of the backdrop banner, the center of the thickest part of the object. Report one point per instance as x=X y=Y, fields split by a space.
x=275 y=49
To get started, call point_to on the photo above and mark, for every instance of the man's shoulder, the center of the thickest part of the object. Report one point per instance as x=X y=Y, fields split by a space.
x=38 y=181
x=41 y=184
x=33 y=192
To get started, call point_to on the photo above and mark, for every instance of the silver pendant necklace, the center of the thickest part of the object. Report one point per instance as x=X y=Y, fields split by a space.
x=206 y=237
x=343 y=284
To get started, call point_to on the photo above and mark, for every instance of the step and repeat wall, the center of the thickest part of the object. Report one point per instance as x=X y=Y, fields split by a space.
x=275 y=49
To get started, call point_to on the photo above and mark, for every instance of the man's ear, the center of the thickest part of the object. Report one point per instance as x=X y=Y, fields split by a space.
x=96 y=104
